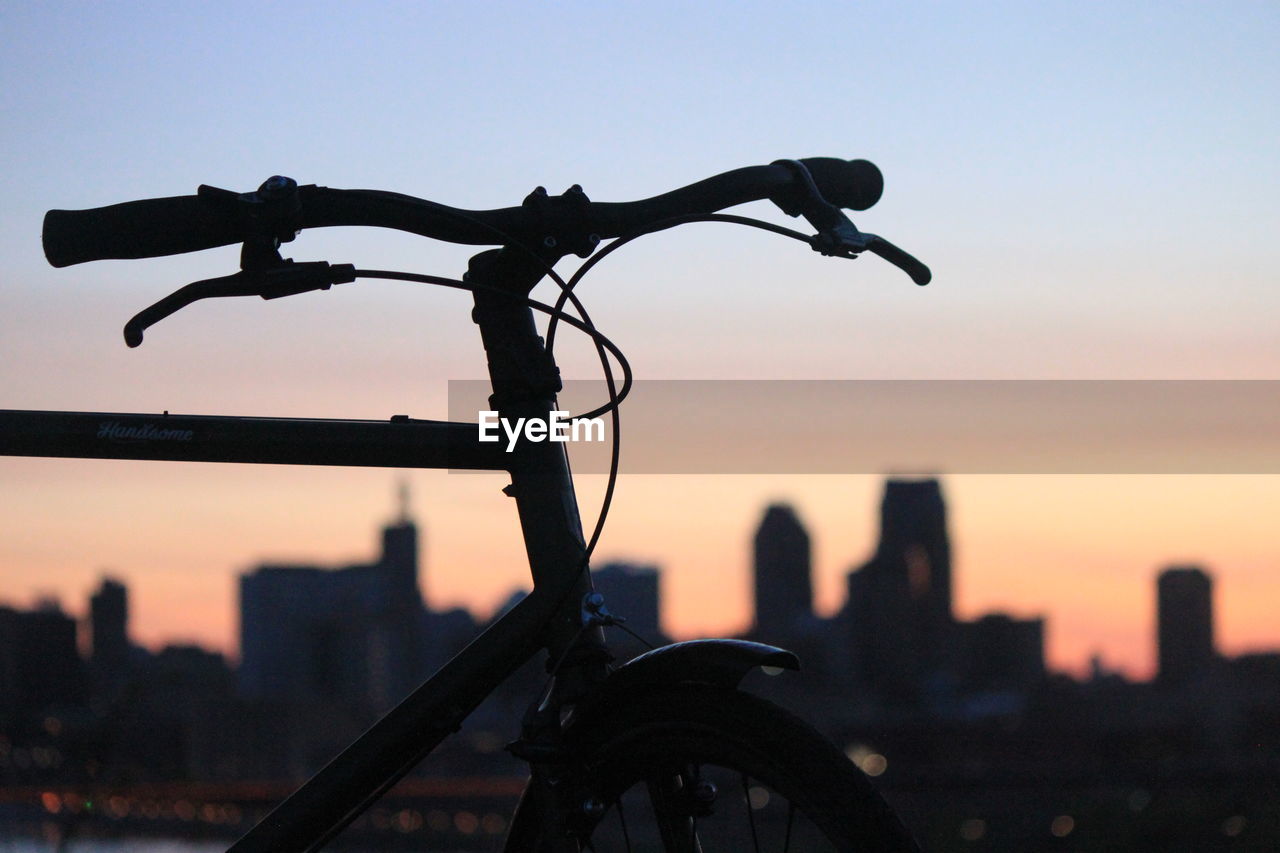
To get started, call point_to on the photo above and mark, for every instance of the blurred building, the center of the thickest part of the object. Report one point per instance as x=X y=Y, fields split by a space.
x=632 y=592
x=783 y=584
x=1001 y=653
x=1184 y=625
x=399 y=561
x=355 y=635
x=10 y=673
x=283 y=611
x=40 y=666
x=899 y=601
x=110 y=651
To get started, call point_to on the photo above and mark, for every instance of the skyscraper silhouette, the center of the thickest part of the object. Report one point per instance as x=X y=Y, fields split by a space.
x=354 y=634
x=41 y=666
x=1184 y=617
x=783 y=587
x=900 y=600
x=109 y=633
x=632 y=592
x=109 y=622
x=1001 y=653
x=400 y=554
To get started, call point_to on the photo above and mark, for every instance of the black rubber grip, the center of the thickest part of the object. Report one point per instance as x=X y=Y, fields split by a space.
x=138 y=229
x=851 y=184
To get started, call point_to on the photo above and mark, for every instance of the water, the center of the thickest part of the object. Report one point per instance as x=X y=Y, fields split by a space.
x=147 y=845
x=136 y=845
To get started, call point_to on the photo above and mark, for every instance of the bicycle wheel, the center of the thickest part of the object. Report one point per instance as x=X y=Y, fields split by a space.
x=699 y=769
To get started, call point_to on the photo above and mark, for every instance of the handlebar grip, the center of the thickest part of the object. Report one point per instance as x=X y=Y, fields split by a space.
x=851 y=184
x=138 y=229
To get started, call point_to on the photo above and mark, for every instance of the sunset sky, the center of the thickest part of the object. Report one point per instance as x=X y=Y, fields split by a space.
x=1093 y=185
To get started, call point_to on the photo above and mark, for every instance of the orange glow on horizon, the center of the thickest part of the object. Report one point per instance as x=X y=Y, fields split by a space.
x=1081 y=551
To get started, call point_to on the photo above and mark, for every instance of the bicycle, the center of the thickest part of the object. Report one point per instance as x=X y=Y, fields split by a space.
x=669 y=727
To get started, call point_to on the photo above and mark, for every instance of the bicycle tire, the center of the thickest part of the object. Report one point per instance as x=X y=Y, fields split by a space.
x=619 y=753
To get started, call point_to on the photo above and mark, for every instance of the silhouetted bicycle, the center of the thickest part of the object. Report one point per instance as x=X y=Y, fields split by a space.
x=663 y=752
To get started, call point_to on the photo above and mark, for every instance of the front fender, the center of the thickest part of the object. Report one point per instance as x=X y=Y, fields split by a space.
x=722 y=663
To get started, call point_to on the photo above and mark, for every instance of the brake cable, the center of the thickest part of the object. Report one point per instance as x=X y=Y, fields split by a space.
x=601 y=340
x=662 y=225
x=616 y=395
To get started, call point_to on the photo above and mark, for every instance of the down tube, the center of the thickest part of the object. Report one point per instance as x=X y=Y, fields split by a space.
x=368 y=768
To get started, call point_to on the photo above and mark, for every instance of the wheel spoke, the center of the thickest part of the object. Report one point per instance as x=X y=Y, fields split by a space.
x=678 y=748
x=622 y=821
x=751 y=812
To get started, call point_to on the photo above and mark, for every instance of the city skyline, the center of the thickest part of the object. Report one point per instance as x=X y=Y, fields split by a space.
x=927 y=703
x=772 y=513
x=1092 y=191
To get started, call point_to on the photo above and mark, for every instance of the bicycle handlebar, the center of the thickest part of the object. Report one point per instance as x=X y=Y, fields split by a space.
x=179 y=224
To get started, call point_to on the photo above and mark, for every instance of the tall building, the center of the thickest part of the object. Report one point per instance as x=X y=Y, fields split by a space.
x=899 y=607
x=1001 y=653
x=400 y=554
x=354 y=634
x=40 y=666
x=109 y=646
x=632 y=592
x=1184 y=624
x=914 y=543
x=10 y=670
x=783 y=586
x=282 y=650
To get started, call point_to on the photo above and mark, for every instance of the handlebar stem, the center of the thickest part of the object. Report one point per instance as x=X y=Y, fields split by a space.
x=525 y=382
x=272 y=213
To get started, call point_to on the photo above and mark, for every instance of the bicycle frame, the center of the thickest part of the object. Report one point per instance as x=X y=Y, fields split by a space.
x=557 y=616
x=550 y=617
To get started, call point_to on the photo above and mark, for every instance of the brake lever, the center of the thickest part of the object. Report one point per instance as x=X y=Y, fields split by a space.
x=285 y=280
x=837 y=236
x=904 y=261
x=844 y=240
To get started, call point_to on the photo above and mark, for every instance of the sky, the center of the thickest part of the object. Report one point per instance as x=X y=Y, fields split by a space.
x=1093 y=186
